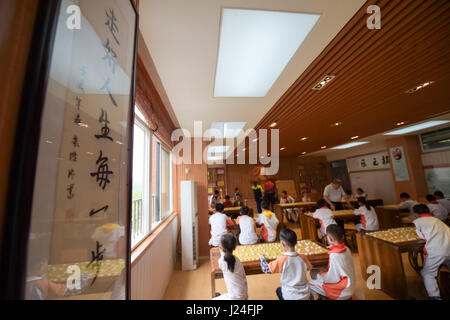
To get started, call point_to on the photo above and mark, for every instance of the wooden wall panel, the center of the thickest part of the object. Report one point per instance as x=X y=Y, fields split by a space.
x=417 y=185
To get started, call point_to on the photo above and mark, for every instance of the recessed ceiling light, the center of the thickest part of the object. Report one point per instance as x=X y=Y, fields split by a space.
x=283 y=148
x=90 y=153
x=273 y=124
x=304 y=152
x=48 y=141
x=215 y=158
x=421 y=86
x=217 y=149
x=255 y=46
x=400 y=123
x=323 y=147
x=336 y=124
x=84 y=125
x=119 y=142
x=350 y=145
x=228 y=129
x=417 y=127
x=354 y=137
x=254 y=140
x=243 y=149
x=322 y=83
x=304 y=138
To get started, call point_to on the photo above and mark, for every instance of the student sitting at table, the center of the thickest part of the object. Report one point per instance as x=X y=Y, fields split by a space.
x=293 y=268
x=360 y=193
x=227 y=203
x=236 y=192
x=238 y=202
x=436 y=208
x=406 y=202
x=219 y=225
x=291 y=213
x=232 y=269
x=215 y=199
x=369 y=219
x=268 y=222
x=247 y=227
x=338 y=283
x=437 y=247
x=324 y=215
x=442 y=200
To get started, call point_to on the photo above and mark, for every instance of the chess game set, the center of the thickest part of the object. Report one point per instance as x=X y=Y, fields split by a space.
x=396 y=235
x=108 y=268
x=273 y=250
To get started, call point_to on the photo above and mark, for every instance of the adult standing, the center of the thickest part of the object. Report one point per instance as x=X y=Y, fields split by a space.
x=258 y=194
x=333 y=194
x=269 y=193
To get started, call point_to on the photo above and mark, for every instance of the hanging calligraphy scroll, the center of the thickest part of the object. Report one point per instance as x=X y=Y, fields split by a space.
x=78 y=241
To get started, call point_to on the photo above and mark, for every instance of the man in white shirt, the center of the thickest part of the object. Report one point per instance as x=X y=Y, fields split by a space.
x=442 y=200
x=333 y=194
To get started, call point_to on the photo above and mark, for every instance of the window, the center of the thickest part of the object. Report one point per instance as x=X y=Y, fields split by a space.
x=435 y=140
x=161 y=182
x=152 y=181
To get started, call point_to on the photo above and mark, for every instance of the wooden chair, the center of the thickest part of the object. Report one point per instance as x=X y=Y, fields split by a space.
x=415 y=258
x=443 y=280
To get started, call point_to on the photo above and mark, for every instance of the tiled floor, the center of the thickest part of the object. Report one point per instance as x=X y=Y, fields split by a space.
x=196 y=285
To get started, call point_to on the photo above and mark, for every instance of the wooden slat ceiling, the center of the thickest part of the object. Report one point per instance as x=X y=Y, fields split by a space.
x=373 y=69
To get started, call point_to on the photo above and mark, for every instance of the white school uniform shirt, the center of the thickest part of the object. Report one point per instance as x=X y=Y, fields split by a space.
x=219 y=222
x=269 y=224
x=369 y=219
x=294 y=283
x=335 y=195
x=338 y=282
x=325 y=217
x=445 y=203
x=435 y=233
x=289 y=199
x=408 y=204
x=248 y=233
x=236 y=281
x=438 y=210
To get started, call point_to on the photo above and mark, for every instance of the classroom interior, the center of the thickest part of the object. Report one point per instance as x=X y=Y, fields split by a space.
x=368 y=106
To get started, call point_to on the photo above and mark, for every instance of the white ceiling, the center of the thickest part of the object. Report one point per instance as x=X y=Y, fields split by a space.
x=183 y=39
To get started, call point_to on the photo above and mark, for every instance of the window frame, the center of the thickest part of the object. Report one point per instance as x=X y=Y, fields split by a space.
x=163 y=215
x=150 y=225
x=146 y=207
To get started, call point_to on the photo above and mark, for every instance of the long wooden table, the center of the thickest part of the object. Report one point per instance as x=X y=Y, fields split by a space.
x=319 y=261
x=388 y=256
x=230 y=210
x=308 y=224
x=280 y=207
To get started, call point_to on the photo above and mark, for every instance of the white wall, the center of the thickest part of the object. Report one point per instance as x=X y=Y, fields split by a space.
x=152 y=272
x=377 y=184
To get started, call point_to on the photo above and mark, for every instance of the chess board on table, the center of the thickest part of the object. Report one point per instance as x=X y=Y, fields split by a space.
x=396 y=235
x=273 y=250
x=108 y=268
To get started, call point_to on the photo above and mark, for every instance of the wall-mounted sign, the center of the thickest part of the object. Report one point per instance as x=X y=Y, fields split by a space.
x=374 y=161
x=78 y=242
x=399 y=163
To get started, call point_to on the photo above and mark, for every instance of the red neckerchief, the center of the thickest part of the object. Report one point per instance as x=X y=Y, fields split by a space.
x=434 y=202
x=423 y=215
x=324 y=208
x=338 y=248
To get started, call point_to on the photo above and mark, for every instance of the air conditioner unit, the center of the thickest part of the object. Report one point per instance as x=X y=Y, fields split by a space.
x=189 y=225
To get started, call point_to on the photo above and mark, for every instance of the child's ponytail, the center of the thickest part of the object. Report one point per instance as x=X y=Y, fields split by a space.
x=228 y=244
